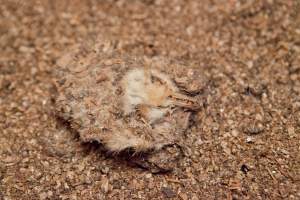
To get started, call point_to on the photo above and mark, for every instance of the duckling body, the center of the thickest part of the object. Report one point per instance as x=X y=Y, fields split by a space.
x=122 y=102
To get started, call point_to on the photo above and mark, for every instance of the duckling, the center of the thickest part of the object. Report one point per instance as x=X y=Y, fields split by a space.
x=121 y=101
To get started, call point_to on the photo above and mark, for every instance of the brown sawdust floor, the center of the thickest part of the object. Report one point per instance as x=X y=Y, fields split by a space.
x=244 y=143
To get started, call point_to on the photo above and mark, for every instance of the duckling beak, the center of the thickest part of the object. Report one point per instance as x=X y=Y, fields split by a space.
x=184 y=101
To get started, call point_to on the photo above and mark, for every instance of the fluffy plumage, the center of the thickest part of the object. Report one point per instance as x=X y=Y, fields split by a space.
x=122 y=102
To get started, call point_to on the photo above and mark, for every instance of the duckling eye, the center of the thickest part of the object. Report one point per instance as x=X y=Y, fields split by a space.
x=156 y=79
x=152 y=78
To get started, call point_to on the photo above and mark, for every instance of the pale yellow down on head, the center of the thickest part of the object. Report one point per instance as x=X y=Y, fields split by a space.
x=153 y=93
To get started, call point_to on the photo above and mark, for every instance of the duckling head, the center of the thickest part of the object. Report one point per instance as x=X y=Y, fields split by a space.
x=153 y=94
